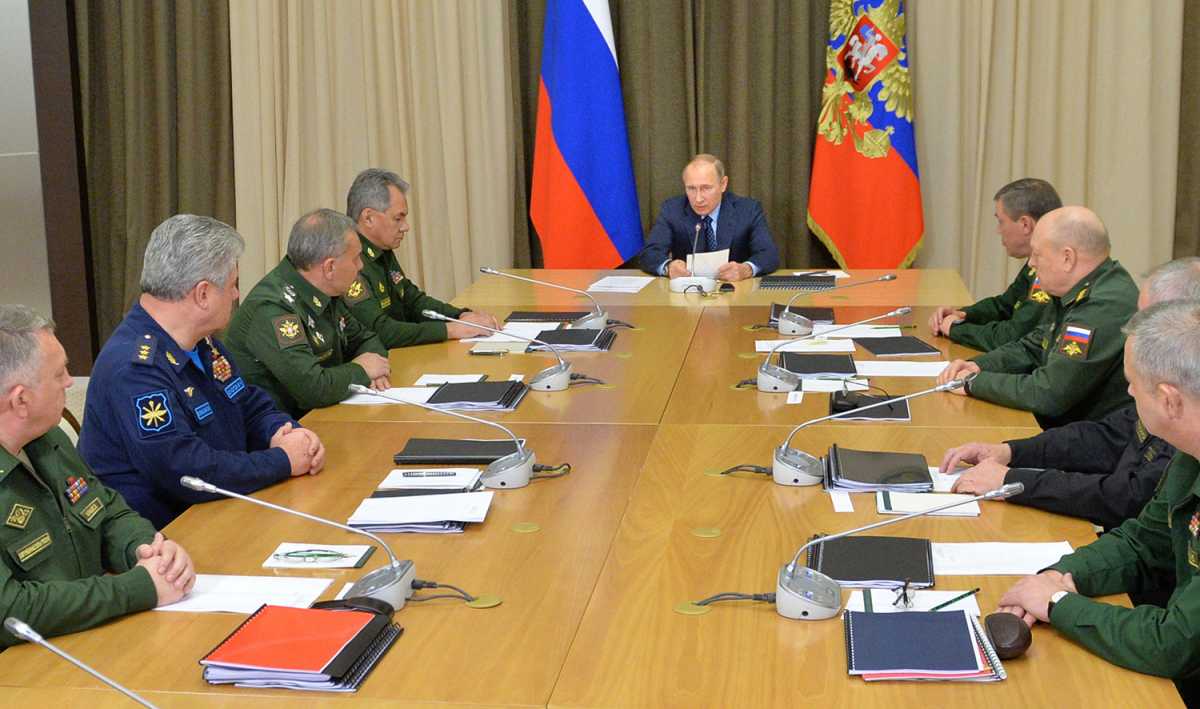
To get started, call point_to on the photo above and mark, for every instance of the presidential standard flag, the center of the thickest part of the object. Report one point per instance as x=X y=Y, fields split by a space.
x=864 y=202
x=583 y=202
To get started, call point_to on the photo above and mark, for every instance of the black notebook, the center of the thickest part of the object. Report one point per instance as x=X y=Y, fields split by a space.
x=449 y=451
x=819 y=365
x=576 y=339
x=903 y=346
x=868 y=471
x=545 y=315
x=919 y=645
x=875 y=562
x=806 y=283
x=852 y=401
x=503 y=395
x=817 y=315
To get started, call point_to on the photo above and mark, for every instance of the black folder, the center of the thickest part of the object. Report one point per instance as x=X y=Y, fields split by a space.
x=503 y=394
x=821 y=315
x=819 y=365
x=877 y=470
x=903 y=346
x=875 y=562
x=449 y=451
x=853 y=400
x=805 y=283
x=545 y=315
x=576 y=339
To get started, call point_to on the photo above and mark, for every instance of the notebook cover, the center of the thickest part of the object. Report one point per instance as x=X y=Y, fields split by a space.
x=812 y=364
x=896 y=346
x=502 y=391
x=919 y=641
x=578 y=337
x=882 y=468
x=437 y=451
x=855 y=559
x=797 y=282
x=821 y=315
x=310 y=640
x=895 y=410
x=545 y=315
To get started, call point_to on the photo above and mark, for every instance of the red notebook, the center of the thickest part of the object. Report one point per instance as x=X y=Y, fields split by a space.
x=292 y=639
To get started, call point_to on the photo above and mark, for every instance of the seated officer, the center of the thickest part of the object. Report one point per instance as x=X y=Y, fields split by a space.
x=293 y=335
x=1003 y=318
x=726 y=221
x=77 y=555
x=1069 y=367
x=166 y=401
x=382 y=297
x=1104 y=471
x=1160 y=548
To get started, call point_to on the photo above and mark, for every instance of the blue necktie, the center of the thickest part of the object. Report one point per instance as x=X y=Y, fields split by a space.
x=710 y=239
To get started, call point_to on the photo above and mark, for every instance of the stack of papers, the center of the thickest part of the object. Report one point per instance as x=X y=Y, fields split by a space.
x=430 y=514
x=707 y=263
x=901 y=503
x=418 y=394
x=576 y=340
x=870 y=471
x=503 y=395
x=522 y=331
x=215 y=593
x=996 y=558
x=920 y=645
x=620 y=284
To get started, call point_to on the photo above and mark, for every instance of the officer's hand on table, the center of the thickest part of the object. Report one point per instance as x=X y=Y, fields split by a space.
x=295 y=446
x=943 y=317
x=459 y=331
x=1032 y=594
x=958 y=369
x=173 y=563
x=951 y=320
x=1020 y=613
x=985 y=477
x=481 y=318
x=166 y=591
x=677 y=269
x=381 y=384
x=975 y=453
x=734 y=271
x=374 y=365
x=316 y=449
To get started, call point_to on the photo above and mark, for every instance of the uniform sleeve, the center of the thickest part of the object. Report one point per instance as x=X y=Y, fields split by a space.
x=262 y=417
x=658 y=244
x=763 y=252
x=296 y=366
x=124 y=530
x=165 y=448
x=1054 y=388
x=1084 y=446
x=58 y=607
x=998 y=332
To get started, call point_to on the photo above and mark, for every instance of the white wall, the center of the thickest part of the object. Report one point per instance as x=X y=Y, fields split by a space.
x=24 y=274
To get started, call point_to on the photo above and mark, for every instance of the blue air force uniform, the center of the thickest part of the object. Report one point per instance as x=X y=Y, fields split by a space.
x=156 y=412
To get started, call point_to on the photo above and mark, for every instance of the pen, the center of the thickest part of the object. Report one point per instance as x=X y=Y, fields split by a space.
x=487 y=353
x=428 y=474
x=956 y=599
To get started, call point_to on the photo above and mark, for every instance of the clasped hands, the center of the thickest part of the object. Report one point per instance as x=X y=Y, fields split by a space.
x=169 y=566
x=730 y=271
x=943 y=318
x=304 y=449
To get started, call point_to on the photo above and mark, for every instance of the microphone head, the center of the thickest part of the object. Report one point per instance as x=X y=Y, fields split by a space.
x=902 y=311
x=21 y=629
x=432 y=315
x=194 y=483
x=360 y=389
x=888 y=277
x=1006 y=491
x=488 y=270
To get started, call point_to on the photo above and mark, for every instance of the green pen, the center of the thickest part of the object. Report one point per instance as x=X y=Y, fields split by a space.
x=954 y=600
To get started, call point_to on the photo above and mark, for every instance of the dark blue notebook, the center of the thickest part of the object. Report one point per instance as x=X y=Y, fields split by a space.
x=913 y=641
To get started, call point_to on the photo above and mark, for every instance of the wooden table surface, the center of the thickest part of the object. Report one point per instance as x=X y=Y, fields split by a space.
x=633 y=650
x=496 y=294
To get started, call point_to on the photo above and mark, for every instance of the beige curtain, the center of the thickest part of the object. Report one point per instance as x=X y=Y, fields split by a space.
x=1083 y=93
x=324 y=89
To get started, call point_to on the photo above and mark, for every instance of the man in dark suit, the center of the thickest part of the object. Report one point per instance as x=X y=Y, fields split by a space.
x=725 y=220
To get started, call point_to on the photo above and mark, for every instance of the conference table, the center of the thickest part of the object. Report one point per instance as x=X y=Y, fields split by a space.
x=591 y=566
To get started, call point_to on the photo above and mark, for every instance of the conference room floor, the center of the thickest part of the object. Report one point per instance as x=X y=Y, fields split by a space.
x=640 y=524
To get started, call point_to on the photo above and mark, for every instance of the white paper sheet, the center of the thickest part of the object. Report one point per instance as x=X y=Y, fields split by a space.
x=418 y=394
x=795 y=397
x=905 y=502
x=354 y=552
x=345 y=589
x=620 y=284
x=215 y=593
x=707 y=263
x=516 y=377
x=833 y=384
x=434 y=379
x=856 y=331
x=454 y=507
x=895 y=368
x=811 y=346
x=995 y=558
x=882 y=601
x=841 y=501
x=527 y=330
x=944 y=482
x=835 y=274
x=430 y=479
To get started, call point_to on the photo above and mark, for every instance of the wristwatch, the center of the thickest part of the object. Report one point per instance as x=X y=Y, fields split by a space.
x=1055 y=598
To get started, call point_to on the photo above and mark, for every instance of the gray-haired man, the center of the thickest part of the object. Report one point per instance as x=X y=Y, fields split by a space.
x=166 y=400
x=294 y=336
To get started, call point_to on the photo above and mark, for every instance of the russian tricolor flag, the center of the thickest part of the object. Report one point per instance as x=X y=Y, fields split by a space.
x=1077 y=334
x=583 y=201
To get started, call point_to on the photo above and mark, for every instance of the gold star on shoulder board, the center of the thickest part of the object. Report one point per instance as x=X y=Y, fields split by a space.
x=171 y=359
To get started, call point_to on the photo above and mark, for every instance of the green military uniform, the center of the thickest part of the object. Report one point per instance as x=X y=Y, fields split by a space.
x=388 y=303
x=1001 y=319
x=1069 y=368
x=1158 y=549
x=63 y=530
x=296 y=342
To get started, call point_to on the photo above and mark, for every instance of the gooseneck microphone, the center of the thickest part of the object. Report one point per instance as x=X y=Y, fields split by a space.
x=596 y=320
x=681 y=284
x=22 y=630
x=512 y=471
x=796 y=467
x=775 y=378
x=796 y=324
x=554 y=378
x=802 y=593
x=391 y=584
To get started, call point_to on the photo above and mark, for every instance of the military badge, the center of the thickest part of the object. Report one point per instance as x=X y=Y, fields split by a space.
x=189 y=391
x=1140 y=430
x=153 y=411
x=91 y=509
x=33 y=548
x=355 y=289
x=317 y=302
x=1075 y=342
x=1194 y=525
x=222 y=370
x=289 y=293
x=1036 y=294
x=370 y=252
x=76 y=489
x=396 y=277
x=171 y=358
x=287 y=330
x=1194 y=528
x=385 y=303
x=143 y=351
x=381 y=288
x=1081 y=295
x=235 y=387
x=312 y=325
x=19 y=516
x=358 y=291
x=318 y=337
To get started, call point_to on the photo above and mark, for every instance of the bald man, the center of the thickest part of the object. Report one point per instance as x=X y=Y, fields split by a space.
x=1069 y=368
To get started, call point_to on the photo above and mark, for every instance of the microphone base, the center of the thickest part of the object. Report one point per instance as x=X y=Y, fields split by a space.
x=794 y=324
x=684 y=284
x=796 y=468
x=593 y=321
x=556 y=378
x=775 y=379
x=512 y=471
x=806 y=594
x=390 y=584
